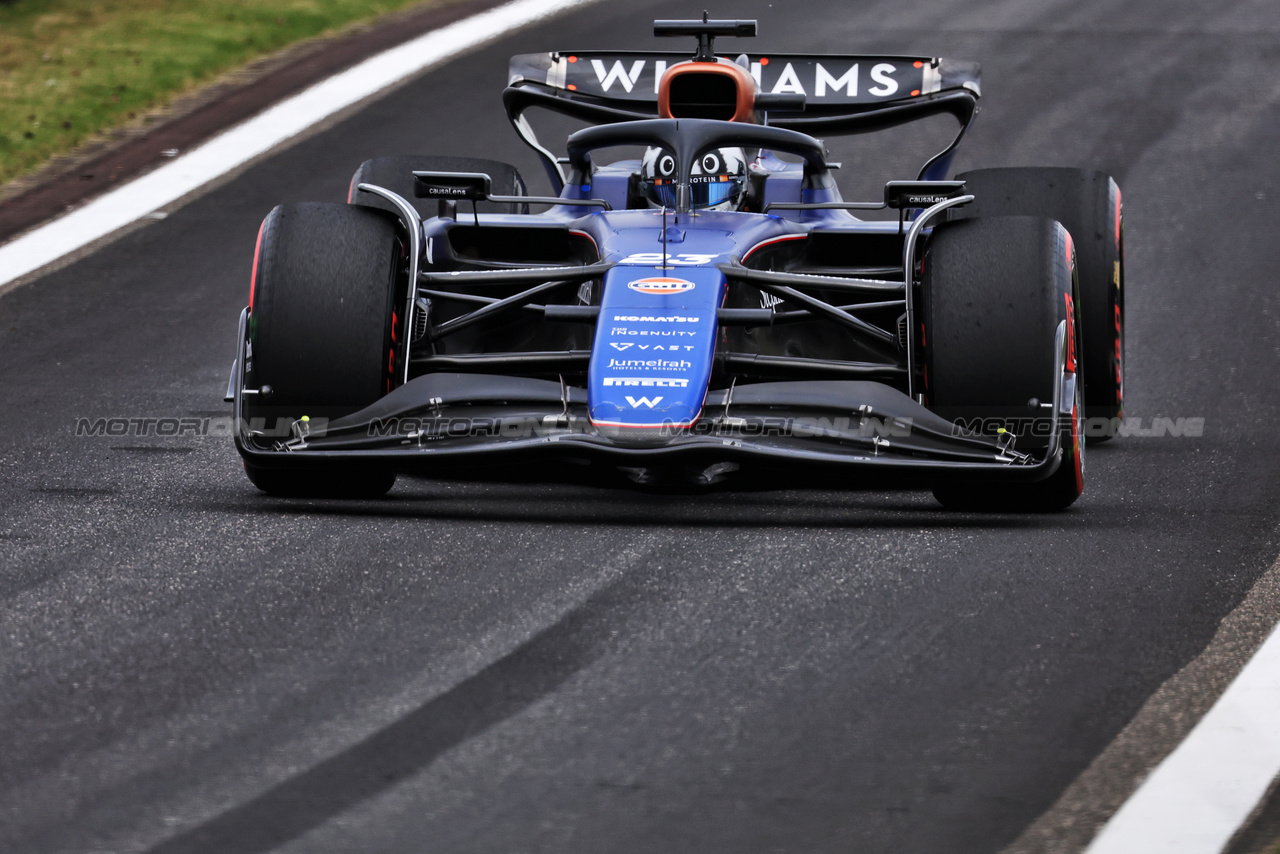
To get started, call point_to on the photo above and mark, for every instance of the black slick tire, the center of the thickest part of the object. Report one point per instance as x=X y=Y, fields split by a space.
x=994 y=292
x=396 y=174
x=1089 y=206
x=322 y=335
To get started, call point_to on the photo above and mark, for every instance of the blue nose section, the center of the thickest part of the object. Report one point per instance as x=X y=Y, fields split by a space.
x=654 y=344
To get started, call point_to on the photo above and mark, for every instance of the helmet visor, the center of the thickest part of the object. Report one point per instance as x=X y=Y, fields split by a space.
x=702 y=194
x=706 y=194
x=662 y=193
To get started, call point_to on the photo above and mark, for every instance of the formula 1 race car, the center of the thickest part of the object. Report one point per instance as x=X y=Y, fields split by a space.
x=710 y=307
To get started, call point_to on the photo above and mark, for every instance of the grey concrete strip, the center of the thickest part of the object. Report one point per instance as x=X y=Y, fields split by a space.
x=1159 y=727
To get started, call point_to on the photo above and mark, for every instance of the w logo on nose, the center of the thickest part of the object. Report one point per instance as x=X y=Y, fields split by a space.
x=637 y=402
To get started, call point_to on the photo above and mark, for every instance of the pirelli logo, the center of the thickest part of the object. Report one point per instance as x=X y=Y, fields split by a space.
x=645 y=382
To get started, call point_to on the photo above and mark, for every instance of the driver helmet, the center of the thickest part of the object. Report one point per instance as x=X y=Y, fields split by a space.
x=718 y=180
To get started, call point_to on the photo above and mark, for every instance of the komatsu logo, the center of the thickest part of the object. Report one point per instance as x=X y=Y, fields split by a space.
x=647 y=318
x=661 y=285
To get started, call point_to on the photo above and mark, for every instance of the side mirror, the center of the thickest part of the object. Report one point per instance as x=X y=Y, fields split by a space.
x=901 y=195
x=452 y=186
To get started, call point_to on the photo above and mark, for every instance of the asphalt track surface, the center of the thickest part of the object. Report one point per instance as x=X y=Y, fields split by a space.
x=189 y=666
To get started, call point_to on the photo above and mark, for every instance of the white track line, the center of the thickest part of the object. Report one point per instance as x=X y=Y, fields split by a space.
x=257 y=135
x=1203 y=792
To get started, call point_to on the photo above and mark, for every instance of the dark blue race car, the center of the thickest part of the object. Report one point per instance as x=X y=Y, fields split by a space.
x=708 y=308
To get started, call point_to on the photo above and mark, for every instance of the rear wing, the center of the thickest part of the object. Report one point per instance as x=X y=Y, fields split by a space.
x=842 y=95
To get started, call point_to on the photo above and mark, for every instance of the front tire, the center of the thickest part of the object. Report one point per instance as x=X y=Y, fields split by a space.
x=323 y=334
x=994 y=292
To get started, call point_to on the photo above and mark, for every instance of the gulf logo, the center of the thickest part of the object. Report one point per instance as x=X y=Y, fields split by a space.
x=660 y=285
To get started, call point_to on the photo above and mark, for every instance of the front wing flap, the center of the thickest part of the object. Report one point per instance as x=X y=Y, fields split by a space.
x=447 y=416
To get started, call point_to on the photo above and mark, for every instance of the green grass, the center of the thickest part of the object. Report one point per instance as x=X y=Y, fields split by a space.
x=71 y=69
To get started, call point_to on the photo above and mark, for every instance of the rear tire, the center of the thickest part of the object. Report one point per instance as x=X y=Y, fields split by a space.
x=322 y=333
x=994 y=292
x=396 y=174
x=1088 y=204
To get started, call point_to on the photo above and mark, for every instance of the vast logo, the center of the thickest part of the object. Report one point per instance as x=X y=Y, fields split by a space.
x=637 y=402
x=661 y=285
x=666 y=348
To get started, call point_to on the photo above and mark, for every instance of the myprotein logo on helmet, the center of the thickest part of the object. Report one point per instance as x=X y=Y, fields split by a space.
x=661 y=285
